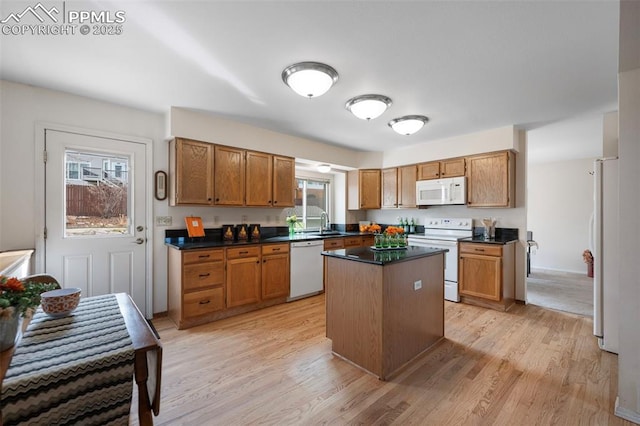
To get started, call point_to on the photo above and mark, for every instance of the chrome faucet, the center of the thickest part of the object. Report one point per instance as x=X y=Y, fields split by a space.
x=324 y=221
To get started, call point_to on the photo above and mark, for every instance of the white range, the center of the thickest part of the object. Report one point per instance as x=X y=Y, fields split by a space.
x=444 y=233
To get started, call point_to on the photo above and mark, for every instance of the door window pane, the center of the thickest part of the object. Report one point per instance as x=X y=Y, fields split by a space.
x=96 y=194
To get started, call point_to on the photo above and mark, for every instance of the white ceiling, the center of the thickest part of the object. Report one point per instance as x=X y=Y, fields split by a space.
x=468 y=66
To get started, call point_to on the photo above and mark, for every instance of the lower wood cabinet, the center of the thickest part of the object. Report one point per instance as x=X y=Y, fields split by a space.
x=243 y=276
x=209 y=284
x=275 y=270
x=486 y=274
x=196 y=284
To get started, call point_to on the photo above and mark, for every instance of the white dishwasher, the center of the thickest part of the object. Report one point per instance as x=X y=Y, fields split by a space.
x=306 y=269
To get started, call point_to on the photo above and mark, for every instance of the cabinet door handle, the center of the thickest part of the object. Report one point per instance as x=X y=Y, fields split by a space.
x=204 y=256
x=204 y=275
x=204 y=302
x=244 y=252
x=217 y=199
x=479 y=249
x=257 y=261
x=275 y=202
x=276 y=249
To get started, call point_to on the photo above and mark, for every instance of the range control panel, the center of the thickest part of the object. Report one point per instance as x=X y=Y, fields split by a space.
x=449 y=223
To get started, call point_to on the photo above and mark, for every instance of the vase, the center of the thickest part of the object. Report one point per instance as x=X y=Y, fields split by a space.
x=291 y=229
x=8 y=329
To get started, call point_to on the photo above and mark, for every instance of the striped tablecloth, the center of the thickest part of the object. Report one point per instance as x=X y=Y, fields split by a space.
x=72 y=370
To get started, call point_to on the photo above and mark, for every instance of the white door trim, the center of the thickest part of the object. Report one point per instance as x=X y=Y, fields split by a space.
x=39 y=192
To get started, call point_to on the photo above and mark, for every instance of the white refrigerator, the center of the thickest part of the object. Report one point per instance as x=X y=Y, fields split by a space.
x=605 y=253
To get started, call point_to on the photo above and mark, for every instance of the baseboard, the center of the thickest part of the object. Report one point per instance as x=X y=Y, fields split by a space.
x=624 y=413
x=568 y=271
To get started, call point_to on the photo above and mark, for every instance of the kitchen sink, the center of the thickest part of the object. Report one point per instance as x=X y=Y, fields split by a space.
x=323 y=233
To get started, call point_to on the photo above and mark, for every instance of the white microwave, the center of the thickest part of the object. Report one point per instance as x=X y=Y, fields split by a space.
x=437 y=192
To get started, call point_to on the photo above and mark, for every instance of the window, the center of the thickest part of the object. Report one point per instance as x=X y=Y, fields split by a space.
x=312 y=199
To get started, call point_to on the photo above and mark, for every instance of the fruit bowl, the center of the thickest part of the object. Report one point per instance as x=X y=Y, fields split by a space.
x=61 y=302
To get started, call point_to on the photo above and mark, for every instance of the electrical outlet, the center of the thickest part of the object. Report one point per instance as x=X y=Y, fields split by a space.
x=164 y=220
x=417 y=285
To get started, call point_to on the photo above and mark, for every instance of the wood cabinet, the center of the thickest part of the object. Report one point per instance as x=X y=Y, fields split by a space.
x=486 y=274
x=491 y=180
x=191 y=172
x=196 y=284
x=284 y=181
x=243 y=278
x=259 y=179
x=399 y=187
x=333 y=243
x=358 y=241
x=270 y=180
x=275 y=270
x=440 y=169
x=229 y=174
x=364 y=189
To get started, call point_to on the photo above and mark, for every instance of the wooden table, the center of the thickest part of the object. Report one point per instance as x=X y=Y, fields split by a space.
x=147 y=359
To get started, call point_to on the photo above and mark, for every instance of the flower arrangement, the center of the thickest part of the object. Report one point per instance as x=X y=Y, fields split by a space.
x=394 y=230
x=374 y=228
x=291 y=220
x=20 y=296
x=587 y=256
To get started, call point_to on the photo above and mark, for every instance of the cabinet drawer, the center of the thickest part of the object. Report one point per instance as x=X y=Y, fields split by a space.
x=333 y=243
x=479 y=248
x=352 y=241
x=203 y=275
x=194 y=256
x=203 y=302
x=275 y=249
x=367 y=240
x=239 y=252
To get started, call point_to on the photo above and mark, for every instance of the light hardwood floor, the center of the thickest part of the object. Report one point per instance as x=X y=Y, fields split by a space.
x=528 y=366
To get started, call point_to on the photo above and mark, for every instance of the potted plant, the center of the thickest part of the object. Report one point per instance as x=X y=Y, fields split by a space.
x=17 y=299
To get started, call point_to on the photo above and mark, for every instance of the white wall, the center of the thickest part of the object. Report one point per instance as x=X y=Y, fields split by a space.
x=25 y=106
x=628 y=404
x=560 y=205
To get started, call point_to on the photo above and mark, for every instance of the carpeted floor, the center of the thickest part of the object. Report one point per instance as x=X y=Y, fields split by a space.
x=562 y=291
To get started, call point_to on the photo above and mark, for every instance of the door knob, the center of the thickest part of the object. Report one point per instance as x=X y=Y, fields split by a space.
x=139 y=241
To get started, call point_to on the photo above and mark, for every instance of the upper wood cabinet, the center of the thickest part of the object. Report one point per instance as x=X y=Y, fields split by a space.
x=389 y=188
x=284 y=181
x=270 y=180
x=491 y=180
x=229 y=173
x=399 y=187
x=202 y=173
x=441 y=169
x=191 y=172
x=259 y=174
x=364 y=189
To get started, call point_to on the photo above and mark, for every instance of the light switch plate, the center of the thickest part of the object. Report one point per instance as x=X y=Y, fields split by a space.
x=164 y=220
x=417 y=285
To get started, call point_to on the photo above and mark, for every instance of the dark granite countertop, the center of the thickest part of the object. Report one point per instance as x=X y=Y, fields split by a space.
x=481 y=239
x=383 y=257
x=503 y=236
x=187 y=243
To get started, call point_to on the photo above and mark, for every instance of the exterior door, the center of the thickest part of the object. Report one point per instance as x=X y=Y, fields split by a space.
x=95 y=214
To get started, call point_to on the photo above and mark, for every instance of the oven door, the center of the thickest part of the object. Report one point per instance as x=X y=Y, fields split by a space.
x=450 y=267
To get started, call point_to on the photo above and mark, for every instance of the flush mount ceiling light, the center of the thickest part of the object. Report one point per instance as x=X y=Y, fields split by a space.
x=367 y=107
x=309 y=79
x=409 y=124
x=324 y=168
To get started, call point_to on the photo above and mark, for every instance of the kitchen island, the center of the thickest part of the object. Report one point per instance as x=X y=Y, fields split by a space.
x=384 y=308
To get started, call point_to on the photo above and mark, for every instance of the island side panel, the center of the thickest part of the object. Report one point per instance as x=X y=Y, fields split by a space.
x=413 y=319
x=354 y=311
